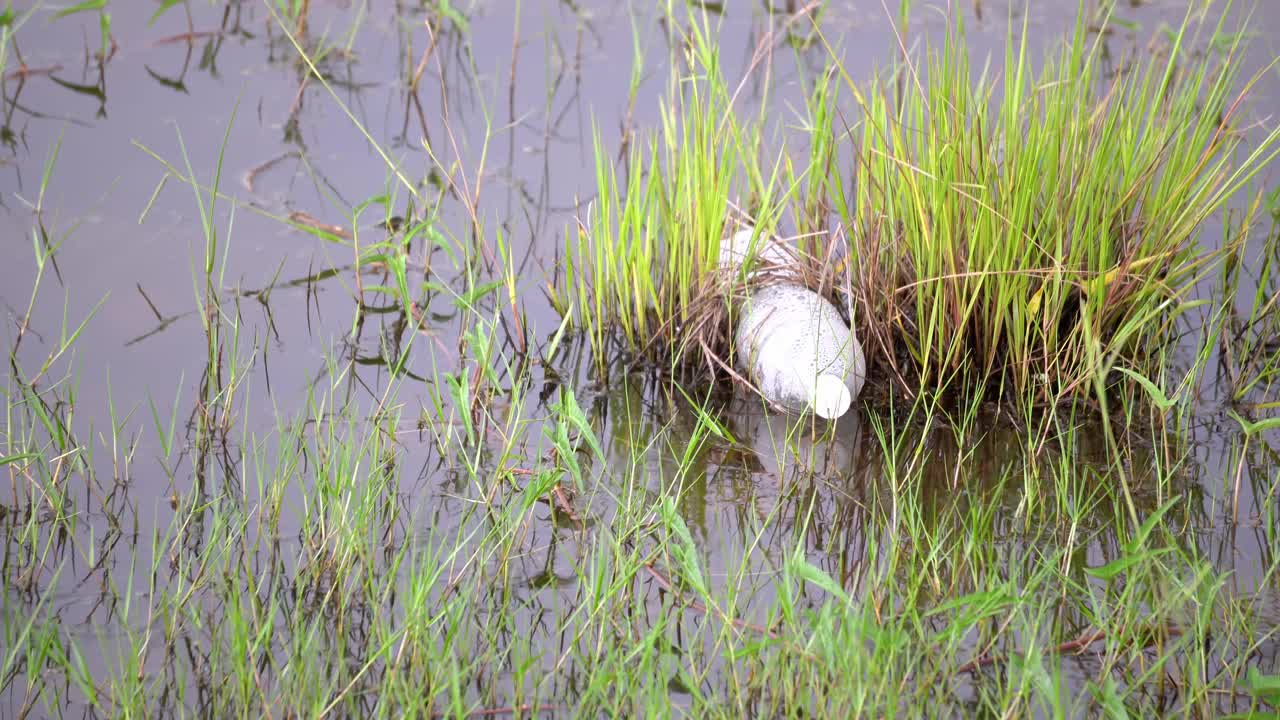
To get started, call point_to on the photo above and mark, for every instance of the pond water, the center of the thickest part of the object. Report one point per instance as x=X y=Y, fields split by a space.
x=508 y=96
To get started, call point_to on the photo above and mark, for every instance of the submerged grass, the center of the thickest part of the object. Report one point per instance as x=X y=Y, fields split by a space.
x=1250 y=338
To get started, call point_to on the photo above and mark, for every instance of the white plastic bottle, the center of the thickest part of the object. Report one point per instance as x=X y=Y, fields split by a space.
x=769 y=253
x=792 y=342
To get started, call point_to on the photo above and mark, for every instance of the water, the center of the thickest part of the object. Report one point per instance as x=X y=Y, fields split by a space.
x=536 y=84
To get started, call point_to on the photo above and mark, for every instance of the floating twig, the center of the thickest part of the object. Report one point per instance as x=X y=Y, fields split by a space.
x=697 y=606
x=1074 y=647
x=564 y=504
x=187 y=37
x=25 y=72
x=299 y=217
x=252 y=173
x=492 y=712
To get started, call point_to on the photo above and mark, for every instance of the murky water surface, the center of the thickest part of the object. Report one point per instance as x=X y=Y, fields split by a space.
x=507 y=102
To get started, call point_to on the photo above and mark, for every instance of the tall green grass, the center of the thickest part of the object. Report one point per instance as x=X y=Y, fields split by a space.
x=1014 y=233
x=605 y=559
x=1028 y=229
x=639 y=265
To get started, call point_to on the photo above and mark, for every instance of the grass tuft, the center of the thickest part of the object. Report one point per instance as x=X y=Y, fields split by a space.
x=1017 y=234
x=1031 y=230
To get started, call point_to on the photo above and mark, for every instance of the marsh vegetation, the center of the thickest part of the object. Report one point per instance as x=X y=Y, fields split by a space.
x=373 y=361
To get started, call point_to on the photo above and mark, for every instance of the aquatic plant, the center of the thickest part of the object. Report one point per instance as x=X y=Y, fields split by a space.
x=1029 y=230
x=1023 y=233
x=639 y=264
x=454 y=520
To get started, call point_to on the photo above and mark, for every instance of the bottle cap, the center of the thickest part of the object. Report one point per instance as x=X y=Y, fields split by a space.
x=832 y=398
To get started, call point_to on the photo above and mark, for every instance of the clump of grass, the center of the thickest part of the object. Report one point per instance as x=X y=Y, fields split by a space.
x=1022 y=232
x=1031 y=229
x=639 y=267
